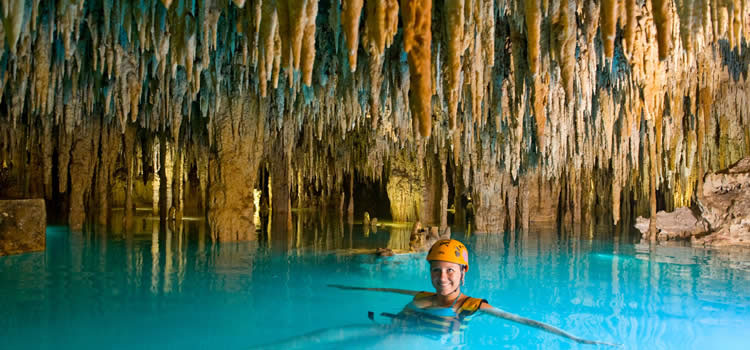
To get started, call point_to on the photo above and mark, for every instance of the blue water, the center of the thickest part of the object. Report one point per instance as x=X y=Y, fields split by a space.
x=175 y=289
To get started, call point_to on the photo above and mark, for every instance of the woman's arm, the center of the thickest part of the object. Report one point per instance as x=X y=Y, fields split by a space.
x=489 y=309
x=390 y=290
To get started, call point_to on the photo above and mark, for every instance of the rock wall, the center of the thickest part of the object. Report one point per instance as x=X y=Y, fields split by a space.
x=405 y=187
x=721 y=216
x=725 y=206
x=570 y=100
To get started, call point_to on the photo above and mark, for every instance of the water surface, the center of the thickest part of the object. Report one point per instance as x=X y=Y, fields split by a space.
x=173 y=288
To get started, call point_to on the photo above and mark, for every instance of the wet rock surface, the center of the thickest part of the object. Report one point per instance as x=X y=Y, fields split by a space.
x=681 y=224
x=725 y=205
x=422 y=238
x=22 y=226
x=722 y=216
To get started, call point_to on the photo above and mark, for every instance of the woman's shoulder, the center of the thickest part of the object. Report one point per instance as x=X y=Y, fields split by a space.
x=423 y=295
x=473 y=304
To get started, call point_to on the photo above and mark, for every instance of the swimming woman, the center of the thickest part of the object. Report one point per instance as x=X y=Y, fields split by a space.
x=446 y=311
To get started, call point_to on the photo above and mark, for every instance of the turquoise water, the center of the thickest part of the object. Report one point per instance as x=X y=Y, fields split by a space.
x=175 y=289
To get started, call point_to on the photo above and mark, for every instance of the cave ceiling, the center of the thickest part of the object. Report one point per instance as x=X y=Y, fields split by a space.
x=652 y=92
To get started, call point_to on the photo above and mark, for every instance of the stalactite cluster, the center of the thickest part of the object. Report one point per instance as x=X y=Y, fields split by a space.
x=111 y=103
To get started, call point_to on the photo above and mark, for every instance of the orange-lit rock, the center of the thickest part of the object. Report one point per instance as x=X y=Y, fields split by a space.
x=663 y=22
x=417 y=20
x=454 y=29
x=351 y=10
x=166 y=99
x=608 y=22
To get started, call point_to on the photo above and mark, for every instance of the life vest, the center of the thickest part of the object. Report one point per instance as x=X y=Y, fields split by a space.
x=440 y=320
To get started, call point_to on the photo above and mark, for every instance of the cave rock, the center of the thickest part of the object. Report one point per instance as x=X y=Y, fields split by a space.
x=725 y=205
x=681 y=224
x=724 y=215
x=22 y=226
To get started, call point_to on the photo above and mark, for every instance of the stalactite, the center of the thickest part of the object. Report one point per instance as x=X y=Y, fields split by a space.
x=453 y=22
x=514 y=122
x=267 y=35
x=380 y=27
x=308 y=43
x=417 y=20
x=590 y=19
x=567 y=46
x=686 y=17
x=13 y=13
x=296 y=17
x=533 y=33
x=631 y=10
x=350 y=16
x=663 y=22
x=608 y=22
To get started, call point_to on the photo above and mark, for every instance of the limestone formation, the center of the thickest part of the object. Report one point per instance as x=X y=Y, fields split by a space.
x=532 y=111
x=679 y=225
x=725 y=206
x=405 y=188
x=722 y=216
x=351 y=11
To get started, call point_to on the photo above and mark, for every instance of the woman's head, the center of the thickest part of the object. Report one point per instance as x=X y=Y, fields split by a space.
x=449 y=261
x=449 y=250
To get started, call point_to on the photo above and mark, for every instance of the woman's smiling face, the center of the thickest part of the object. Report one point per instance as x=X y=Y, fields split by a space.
x=446 y=276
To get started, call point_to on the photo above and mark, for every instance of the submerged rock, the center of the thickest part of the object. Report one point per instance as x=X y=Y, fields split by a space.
x=384 y=252
x=22 y=226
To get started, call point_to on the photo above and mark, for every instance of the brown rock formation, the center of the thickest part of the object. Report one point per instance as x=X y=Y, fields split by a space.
x=351 y=10
x=405 y=187
x=521 y=93
x=82 y=162
x=233 y=168
x=22 y=226
x=681 y=224
x=723 y=217
x=725 y=205
x=417 y=20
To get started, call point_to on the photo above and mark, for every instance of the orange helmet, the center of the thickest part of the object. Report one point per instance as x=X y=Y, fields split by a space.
x=449 y=250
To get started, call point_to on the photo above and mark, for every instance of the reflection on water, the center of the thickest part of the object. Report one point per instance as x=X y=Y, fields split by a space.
x=168 y=284
x=644 y=296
